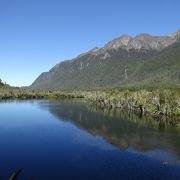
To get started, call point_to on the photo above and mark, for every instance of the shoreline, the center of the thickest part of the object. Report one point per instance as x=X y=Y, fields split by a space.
x=156 y=103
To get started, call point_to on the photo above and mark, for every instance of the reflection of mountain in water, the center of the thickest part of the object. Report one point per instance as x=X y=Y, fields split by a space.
x=119 y=128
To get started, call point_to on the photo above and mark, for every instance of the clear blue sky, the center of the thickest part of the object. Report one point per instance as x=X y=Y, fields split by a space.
x=37 y=34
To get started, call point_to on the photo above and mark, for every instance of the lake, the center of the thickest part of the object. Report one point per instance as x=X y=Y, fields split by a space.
x=67 y=139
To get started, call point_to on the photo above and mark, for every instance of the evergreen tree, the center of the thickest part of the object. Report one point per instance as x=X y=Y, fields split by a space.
x=1 y=83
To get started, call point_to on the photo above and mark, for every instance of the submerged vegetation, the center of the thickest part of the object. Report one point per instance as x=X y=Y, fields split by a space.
x=154 y=102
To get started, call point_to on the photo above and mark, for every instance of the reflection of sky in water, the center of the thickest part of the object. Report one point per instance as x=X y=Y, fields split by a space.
x=41 y=135
x=94 y=141
x=84 y=138
x=161 y=155
x=164 y=156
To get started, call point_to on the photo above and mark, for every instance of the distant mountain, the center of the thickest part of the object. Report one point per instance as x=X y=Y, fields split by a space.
x=141 y=61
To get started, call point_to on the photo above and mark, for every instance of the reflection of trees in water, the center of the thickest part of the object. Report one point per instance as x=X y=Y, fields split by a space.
x=161 y=123
x=120 y=128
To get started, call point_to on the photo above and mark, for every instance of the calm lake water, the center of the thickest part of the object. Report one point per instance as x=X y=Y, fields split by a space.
x=69 y=140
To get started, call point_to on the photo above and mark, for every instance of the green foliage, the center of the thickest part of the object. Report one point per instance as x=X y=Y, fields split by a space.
x=155 y=102
x=1 y=83
x=19 y=93
x=158 y=102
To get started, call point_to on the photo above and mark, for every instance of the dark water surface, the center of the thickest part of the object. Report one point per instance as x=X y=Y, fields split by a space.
x=69 y=140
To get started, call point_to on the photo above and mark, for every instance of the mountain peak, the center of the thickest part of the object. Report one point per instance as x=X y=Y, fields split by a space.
x=122 y=41
x=125 y=39
x=142 y=41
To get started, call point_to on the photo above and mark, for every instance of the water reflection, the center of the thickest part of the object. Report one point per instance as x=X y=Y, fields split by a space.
x=70 y=140
x=124 y=130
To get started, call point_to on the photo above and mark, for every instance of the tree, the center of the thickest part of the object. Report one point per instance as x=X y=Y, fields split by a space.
x=1 y=83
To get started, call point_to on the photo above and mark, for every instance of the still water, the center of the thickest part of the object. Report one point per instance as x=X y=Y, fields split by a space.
x=70 y=140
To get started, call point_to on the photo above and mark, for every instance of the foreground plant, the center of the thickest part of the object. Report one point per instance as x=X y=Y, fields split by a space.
x=15 y=175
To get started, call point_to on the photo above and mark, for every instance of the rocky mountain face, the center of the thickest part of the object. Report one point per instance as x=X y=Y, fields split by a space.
x=120 y=63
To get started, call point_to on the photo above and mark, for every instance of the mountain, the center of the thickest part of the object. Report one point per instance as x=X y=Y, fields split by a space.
x=140 y=61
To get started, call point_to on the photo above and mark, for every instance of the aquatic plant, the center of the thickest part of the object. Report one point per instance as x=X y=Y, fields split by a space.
x=15 y=175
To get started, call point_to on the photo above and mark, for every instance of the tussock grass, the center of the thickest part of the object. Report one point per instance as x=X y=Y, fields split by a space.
x=155 y=102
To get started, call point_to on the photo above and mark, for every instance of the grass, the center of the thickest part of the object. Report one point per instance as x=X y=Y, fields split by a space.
x=19 y=93
x=155 y=102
